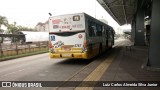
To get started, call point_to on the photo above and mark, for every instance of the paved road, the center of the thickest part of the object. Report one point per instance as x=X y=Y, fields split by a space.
x=41 y=68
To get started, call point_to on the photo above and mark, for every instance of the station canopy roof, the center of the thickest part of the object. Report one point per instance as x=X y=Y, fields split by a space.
x=122 y=11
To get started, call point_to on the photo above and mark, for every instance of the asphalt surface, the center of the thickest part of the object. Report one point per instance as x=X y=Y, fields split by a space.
x=38 y=68
x=41 y=68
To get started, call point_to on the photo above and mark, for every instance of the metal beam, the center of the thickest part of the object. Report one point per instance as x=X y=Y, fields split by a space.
x=121 y=5
x=108 y=9
x=124 y=11
x=112 y=2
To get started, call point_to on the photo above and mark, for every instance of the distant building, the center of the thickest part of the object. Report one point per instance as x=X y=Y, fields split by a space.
x=46 y=26
x=119 y=30
x=39 y=27
x=42 y=27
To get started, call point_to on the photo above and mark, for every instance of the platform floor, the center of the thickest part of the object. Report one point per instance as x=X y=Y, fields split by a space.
x=128 y=66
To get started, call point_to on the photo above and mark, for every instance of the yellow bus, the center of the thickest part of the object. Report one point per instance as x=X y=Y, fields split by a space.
x=78 y=36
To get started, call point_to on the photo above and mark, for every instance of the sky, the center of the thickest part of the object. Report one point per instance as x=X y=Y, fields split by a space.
x=30 y=12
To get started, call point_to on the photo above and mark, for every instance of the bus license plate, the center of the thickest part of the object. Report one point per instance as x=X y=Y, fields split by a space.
x=66 y=55
x=67 y=49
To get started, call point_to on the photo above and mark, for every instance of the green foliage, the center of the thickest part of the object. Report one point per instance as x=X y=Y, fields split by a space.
x=1 y=39
x=22 y=28
x=12 y=28
x=3 y=21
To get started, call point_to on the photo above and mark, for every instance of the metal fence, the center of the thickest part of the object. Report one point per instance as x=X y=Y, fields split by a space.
x=9 y=49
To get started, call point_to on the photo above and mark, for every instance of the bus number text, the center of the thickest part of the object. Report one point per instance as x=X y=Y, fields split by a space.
x=77 y=45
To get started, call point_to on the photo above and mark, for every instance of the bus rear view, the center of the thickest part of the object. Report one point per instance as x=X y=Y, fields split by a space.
x=67 y=38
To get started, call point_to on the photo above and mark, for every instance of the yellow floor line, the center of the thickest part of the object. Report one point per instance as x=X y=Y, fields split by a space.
x=56 y=88
x=97 y=73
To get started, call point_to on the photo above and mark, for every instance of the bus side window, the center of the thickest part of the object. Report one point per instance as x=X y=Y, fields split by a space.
x=103 y=29
x=94 y=31
x=91 y=29
x=107 y=31
x=110 y=35
x=99 y=30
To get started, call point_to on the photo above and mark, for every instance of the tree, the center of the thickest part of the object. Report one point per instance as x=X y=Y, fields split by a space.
x=3 y=21
x=22 y=28
x=12 y=28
